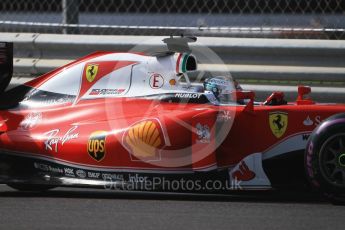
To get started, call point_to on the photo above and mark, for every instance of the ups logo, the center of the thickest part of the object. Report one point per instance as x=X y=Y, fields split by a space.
x=96 y=145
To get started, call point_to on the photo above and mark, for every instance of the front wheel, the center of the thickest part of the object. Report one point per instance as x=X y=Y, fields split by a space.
x=325 y=158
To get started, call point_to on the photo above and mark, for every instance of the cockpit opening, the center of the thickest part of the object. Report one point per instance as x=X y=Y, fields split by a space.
x=191 y=64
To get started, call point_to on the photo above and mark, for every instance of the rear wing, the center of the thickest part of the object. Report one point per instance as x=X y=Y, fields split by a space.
x=6 y=64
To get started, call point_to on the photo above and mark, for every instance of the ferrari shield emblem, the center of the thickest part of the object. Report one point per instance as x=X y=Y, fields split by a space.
x=91 y=72
x=278 y=123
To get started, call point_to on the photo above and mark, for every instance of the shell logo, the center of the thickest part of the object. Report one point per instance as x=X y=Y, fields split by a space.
x=143 y=140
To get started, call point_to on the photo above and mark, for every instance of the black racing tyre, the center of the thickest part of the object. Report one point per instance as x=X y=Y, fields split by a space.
x=4 y=83
x=31 y=187
x=325 y=158
x=6 y=66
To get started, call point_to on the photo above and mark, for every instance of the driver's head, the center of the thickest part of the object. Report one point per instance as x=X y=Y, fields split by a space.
x=220 y=87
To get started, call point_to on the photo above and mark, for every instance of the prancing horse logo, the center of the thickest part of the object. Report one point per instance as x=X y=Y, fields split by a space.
x=278 y=123
x=91 y=72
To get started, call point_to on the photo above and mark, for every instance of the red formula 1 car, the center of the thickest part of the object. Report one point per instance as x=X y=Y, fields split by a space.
x=135 y=121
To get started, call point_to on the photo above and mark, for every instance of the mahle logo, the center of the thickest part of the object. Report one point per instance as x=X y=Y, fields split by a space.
x=96 y=145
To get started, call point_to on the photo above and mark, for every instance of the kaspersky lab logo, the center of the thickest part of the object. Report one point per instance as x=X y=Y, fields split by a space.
x=96 y=145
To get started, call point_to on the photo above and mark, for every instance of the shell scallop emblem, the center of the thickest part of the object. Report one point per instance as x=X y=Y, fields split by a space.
x=144 y=140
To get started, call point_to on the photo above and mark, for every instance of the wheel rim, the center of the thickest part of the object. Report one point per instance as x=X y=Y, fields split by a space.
x=332 y=160
x=341 y=160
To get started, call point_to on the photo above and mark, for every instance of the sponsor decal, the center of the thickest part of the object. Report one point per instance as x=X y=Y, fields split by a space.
x=91 y=71
x=31 y=120
x=48 y=168
x=55 y=169
x=81 y=173
x=310 y=149
x=305 y=137
x=41 y=166
x=69 y=172
x=96 y=92
x=310 y=171
x=188 y=95
x=65 y=99
x=172 y=82
x=315 y=121
x=224 y=116
x=219 y=81
x=243 y=173
x=137 y=178
x=95 y=175
x=156 y=81
x=278 y=123
x=53 y=140
x=96 y=145
x=144 y=140
x=308 y=122
x=203 y=132
x=43 y=99
x=112 y=176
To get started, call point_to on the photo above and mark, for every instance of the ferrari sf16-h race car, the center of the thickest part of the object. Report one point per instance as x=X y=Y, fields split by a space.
x=135 y=121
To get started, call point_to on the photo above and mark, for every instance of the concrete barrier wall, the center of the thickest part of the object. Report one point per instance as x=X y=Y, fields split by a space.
x=245 y=58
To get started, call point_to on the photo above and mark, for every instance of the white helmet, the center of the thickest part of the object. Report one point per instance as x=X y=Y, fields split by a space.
x=220 y=87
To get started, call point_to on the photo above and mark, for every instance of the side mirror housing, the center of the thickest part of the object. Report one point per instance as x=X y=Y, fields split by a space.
x=302 y=92
x=276 y=98
x=245 y=95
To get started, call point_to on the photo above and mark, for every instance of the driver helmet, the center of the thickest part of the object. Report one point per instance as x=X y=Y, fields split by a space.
x=219 y=86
